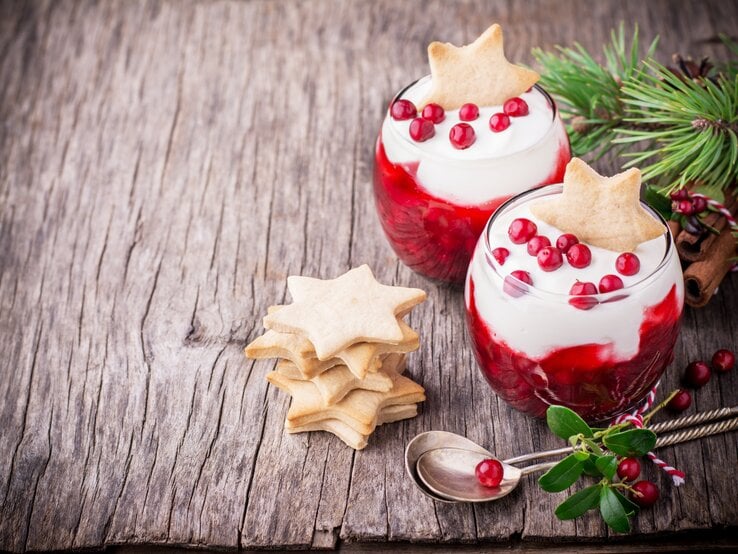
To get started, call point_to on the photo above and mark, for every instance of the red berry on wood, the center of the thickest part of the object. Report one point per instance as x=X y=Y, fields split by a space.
x=684 y=207
x=697 y=374
x=536 y=243
x=512 y=284
x=499 y=122
x=629 y=469
x=627 y=264
x=610 y=283
x=646 y=494
x=681 y=194
x=581 y=292
x=421 y=129
x=515 y=107
x=549 y=258
x=500 y=254
x=566 y=241
x=490 y=472
x=462 y=136
x=468 y=112
x=723 y=360
x=434 y=113
x=403 y=109
x=579 y=255
x=521 y=230
x=681 y=401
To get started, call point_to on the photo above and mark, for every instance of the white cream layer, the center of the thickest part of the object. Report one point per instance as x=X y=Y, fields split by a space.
x=496 y=165
x=537 y=323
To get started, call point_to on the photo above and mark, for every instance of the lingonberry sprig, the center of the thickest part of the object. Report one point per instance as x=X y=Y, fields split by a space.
x=609 y=453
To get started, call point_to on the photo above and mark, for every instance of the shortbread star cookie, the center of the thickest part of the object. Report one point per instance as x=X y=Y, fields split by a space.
x=477 y=73
x=360 y=358
x=602 y=211
x=338 y=381
x=350 y=436
x=336 y=313
x=359 y=408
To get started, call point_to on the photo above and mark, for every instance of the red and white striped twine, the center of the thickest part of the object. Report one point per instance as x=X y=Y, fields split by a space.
x=636 y=419
x=722 y=210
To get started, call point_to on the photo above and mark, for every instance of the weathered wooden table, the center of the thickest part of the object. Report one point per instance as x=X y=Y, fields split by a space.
x=163 y=167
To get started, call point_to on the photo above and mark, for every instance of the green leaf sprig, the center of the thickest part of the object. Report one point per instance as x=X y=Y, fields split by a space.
x=595 y=453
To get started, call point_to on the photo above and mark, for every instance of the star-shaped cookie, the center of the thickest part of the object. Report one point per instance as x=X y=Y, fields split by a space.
x=477 y=72
x=601 y=211
x=360 y=358
x=358 y=409
x=333 y=314
x=338 y=381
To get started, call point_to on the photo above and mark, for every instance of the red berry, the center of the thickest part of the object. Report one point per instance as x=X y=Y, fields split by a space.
x=627 y=264
x=421 y=129
x=582 y=291
x=500 y=254
x=697 y=374
x=403 y=109
x=629 y=469
x=646 y=494
x=579 y=255
x=490 y=472
x=681 y=194
x=515 y=107
x=699 y=204
x=684 y=207
x=681 y=401
x=723 y=360
x=512 y=284
x=462 y=136
x=499 y=122
x=521 y=230
x=566 y=241
x=434 y=113
x=536 y=243
x=610 y=283
x=468 y=112
x=550 y=258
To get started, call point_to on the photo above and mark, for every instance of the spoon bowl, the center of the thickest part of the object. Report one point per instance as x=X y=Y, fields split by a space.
x=450 y=474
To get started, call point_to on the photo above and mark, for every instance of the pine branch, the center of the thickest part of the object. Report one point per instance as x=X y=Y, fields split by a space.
x=678 y=124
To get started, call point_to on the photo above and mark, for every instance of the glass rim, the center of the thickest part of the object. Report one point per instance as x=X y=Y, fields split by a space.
x=489 y=159
x=556 y=188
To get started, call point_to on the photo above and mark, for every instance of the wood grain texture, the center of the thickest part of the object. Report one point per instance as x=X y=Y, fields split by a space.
x=163 y=167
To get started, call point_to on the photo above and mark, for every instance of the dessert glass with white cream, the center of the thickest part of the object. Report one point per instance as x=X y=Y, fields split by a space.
x=439 y=174
x=556 y=321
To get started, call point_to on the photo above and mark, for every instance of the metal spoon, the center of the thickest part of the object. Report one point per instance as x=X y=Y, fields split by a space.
x=442 y=464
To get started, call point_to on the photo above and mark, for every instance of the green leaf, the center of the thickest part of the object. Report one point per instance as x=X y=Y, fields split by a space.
x=579 y=503
x=593 y=446
x=612 y=511
x=561 y=476
x=629 y=506
x=658 y=201
x=581 y=456
x=608 y=466
x=565 y=423
x=589 y=466
x=634 y=442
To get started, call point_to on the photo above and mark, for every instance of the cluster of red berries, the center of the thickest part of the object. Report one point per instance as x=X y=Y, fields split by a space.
x=461 y=135
x=645 y=493
x=697 y=375
x=683 y=203
x=551 y=258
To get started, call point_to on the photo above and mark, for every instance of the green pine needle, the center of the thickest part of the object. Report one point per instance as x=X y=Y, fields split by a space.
x=676 y=129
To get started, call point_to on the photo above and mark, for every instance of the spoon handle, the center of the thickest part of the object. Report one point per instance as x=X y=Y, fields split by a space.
x=672 y=425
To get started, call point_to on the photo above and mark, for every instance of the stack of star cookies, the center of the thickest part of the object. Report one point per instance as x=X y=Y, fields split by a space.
x=341 y=347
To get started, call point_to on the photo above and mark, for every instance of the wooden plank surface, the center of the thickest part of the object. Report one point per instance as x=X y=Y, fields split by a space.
x=163 y=167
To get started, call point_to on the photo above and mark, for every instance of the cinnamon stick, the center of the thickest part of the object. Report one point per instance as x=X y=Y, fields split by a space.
x=693 y=248
x=674 y=227
x=701 y=278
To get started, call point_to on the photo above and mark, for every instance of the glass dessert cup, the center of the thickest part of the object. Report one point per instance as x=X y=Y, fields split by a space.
x=433 y=205
x=536 y=349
